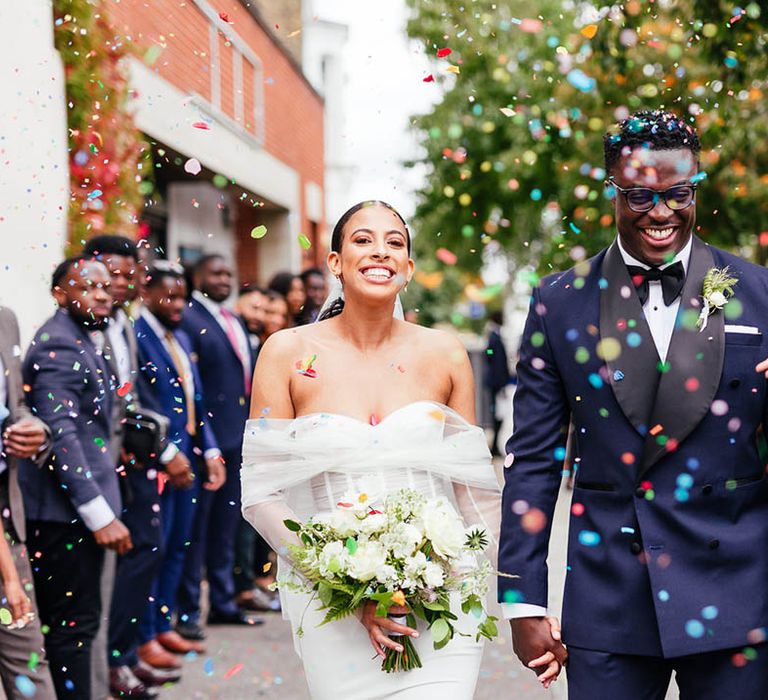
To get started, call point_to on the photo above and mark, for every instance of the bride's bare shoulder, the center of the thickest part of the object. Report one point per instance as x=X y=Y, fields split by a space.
x=431 y=341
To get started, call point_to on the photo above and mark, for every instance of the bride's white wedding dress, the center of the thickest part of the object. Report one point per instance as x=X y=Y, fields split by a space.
x=298 y=468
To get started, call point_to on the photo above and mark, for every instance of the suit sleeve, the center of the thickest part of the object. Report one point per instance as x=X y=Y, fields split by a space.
x=532 y=481
x=55 y=374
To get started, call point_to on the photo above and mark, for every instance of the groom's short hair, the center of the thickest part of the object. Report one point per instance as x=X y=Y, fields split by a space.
x=657 y=130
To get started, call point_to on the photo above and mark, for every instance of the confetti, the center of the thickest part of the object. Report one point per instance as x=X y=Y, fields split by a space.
x=259 y=231
x=453 y=69
x=233 y=671
x=208 y=666
x=304 y=242
x=224 y=17
x=123 y=389
x=305 y=368
x=203 y=126
x=25 y=686
x=192 y=166
x=446 y=256
x=442 y=53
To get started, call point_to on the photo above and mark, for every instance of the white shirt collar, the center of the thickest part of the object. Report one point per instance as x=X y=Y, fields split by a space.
x=683 y=256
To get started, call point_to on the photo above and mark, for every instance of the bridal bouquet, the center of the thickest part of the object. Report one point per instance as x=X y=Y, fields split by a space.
x=413 y=552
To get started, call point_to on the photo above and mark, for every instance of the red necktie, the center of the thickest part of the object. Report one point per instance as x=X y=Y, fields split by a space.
x=229 y=319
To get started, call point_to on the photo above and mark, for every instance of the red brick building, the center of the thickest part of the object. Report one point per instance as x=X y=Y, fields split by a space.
x=219 y=87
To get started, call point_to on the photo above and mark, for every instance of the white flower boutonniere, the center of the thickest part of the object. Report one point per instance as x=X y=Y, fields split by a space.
x=716 y=291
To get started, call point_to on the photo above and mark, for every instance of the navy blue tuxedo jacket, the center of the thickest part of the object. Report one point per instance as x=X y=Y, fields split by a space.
x=69 y=387
x=668 y=541
x=168 y=393
x=221 y=373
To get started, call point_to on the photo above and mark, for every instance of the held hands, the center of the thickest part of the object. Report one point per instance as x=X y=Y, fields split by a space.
x=217 y=475
x=114 y=536
x=179 y=471
x=378 y=627
x=24 y=438
x=763 y=367
x=536 y=641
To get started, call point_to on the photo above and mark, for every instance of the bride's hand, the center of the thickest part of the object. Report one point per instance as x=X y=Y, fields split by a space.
x=763 y=367
x=378 y=627
x=553 y=667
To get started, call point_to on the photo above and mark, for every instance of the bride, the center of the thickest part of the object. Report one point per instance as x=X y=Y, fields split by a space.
x=363 y=397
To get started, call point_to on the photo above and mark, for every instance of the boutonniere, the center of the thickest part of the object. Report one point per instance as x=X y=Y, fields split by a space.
x=716 y=291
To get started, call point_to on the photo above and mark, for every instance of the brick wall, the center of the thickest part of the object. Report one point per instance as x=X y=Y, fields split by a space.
x=293 y=112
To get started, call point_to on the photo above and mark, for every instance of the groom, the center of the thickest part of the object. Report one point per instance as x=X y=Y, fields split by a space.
x=668 y=543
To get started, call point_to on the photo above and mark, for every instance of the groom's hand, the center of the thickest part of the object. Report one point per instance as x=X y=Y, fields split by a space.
x=536 y=642
x=763 y=367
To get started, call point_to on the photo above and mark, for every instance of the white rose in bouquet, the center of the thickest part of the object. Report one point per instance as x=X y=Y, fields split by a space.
x=443 y=528
x=368 y=558
x=344 y=522
x=333 y=559
x=433 y=575
x=372 y=523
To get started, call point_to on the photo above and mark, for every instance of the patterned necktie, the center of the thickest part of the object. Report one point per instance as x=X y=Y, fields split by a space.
x=178 y=363
x=230 y=321
x=672 y=279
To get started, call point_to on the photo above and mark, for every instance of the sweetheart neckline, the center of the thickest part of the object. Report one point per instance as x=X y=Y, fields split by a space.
x=400 y=409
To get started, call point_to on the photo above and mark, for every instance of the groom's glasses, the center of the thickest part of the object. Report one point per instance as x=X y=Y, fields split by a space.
x=642 y=199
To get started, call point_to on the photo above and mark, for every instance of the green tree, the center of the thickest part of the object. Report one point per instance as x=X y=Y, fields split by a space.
x=514 y=149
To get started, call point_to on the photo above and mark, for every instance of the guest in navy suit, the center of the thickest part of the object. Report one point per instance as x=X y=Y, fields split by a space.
x=167 y=356
x=220 y=342
x=73 y=501
x=496 y=374
x=668 y=543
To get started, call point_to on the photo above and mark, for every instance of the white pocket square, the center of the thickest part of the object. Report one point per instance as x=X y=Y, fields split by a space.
x=750 y=330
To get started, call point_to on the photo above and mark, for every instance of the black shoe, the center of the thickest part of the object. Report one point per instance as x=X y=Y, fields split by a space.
x=124 y=684
x=151 y=676
x=235 y=618
x=190 y=630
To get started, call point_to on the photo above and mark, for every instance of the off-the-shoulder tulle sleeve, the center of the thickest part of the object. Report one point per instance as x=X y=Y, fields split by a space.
x=283 y=459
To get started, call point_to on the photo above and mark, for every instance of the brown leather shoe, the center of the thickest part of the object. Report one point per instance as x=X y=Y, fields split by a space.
x=152 y=653
x=172 y=641
x=124 y=684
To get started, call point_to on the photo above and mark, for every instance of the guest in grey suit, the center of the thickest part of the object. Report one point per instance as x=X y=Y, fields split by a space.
x=73 y=501
x=23 y=436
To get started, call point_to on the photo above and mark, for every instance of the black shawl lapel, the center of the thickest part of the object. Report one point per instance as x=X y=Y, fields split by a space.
x=695 y=358
x=634 y=374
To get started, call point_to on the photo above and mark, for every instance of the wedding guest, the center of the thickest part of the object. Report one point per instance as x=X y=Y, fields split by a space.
x=73 y=502
x=496 y=375
x=220 y=343
x=23 y=436
x=291 y=287
x=167 y=353
x=316 y=289
x=276 y=315
x=141 y=504
x=251 y=305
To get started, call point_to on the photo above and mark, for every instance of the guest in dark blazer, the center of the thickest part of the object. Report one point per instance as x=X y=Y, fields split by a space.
x=496 y=373
x=220 y=342
x=137 y=569
x=167 y=355
x=23 y=436
x=73 y=501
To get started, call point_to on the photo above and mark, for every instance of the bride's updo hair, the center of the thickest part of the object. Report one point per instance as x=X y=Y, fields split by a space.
x=337 y=306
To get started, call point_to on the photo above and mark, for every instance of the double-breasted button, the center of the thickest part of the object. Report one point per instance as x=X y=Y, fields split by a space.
x=640 y=492
x=635 y=548
x=714 y=543
x=707 y=489
x=734 y=383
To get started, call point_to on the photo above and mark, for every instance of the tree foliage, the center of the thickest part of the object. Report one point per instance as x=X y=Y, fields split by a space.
x=110 y=164
x=514 y=149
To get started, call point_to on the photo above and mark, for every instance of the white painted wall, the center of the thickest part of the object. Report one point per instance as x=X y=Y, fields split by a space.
x=34 y=176
x=195 y=219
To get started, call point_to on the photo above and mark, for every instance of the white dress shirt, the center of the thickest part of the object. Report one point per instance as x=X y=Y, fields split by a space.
x=121 y=353
x=661 y=321
x=4 y=413
x=243 y=344
x=189 y=380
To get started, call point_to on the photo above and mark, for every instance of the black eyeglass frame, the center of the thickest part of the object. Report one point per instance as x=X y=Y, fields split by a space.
x=657 y=194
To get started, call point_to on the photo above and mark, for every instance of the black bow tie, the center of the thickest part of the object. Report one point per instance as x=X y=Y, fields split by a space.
x=671 y=278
